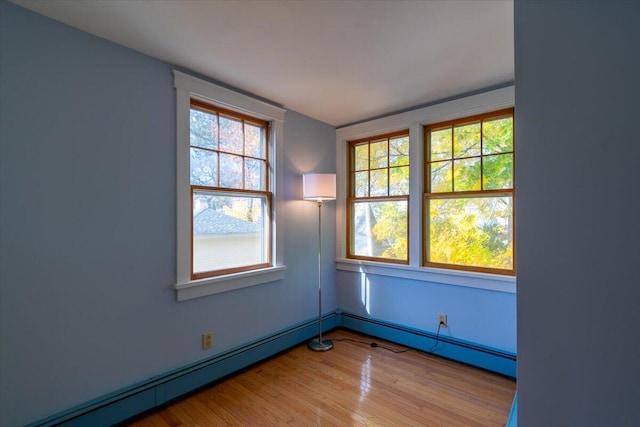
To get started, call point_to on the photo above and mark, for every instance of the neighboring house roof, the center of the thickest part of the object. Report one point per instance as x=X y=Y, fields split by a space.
x=211 y=222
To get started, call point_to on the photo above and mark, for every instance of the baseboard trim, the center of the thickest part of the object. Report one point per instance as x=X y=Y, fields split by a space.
x=513 y=415
x=126 y=403
x=484 y=357
x=147 y=395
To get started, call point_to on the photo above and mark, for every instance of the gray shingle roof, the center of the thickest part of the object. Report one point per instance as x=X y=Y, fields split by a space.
x=211 y=222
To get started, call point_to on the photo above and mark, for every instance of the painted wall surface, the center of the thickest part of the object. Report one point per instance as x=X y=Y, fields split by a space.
x=481 y=316
x=88 y=225
x=577 y=74
x=306 y=151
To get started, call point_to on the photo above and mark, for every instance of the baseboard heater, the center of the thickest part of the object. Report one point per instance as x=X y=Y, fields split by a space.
x=480 y=356
x=126 y=403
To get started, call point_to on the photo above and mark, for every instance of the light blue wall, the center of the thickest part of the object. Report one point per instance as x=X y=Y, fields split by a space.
x=477 y=315
x=307 y=150
x=577 y=73
x=88 y=232
x=88 y=225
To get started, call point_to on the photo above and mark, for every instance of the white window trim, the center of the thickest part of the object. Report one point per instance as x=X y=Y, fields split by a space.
x=415 y=120
x=188 y=87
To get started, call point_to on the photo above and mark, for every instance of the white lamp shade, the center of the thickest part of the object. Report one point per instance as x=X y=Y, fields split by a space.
x=319 y=186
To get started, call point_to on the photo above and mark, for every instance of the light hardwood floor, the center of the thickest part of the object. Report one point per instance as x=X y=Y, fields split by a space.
x=352 y=385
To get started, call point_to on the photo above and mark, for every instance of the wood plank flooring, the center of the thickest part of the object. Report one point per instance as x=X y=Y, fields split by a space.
x=354 y=384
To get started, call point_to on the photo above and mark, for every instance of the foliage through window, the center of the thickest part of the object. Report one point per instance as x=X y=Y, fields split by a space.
x=469 y=196
x=231 y=202
x=379 y=198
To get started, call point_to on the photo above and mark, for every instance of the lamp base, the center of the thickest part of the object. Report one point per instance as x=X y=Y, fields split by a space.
x=320 y=345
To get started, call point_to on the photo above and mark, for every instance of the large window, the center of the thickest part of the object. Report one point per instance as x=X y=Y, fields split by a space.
x=231 y=204
x=469 y=194
x=379 y=198
x=229 y=162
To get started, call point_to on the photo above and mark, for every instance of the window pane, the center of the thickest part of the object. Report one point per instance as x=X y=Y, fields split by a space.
x=440 y=177
x=361 y=161
x=399 y=151
x=379 y=155
x=230 y=171
x=361 y=184
x=228 y=231
x=497 y=136
x=466 y=175
x=204 y=129
x=379 y=229
x=471 y=231
x=466 y=140
x=399 y=181
x=204 y=167
x=497 y=172
x=379 y=181
x=231 y=137
x=254 y=174
x=253 y=141
x=440 y=145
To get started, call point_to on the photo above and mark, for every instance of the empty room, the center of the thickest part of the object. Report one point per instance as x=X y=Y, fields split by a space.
x=337 y=213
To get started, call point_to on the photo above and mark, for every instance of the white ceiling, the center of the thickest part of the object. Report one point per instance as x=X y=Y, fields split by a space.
x=336 y=61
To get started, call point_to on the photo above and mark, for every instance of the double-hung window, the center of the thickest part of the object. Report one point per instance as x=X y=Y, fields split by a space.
x=228 y=175
x=230 y=197
x=378 y=202
x=469 y=194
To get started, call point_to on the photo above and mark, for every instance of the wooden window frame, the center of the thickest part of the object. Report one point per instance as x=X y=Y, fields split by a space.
x=428 y=195
x=352 y=199
x=229 y=191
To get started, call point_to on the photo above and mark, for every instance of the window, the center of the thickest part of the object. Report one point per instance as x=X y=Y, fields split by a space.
x=379 y=198
x=229 y=162
x=419 y=122
x=231 y=204
x=469 y=194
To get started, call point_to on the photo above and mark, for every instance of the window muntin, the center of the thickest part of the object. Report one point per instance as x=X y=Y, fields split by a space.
x=468 y=203
x=379 y=198
x=231 y=204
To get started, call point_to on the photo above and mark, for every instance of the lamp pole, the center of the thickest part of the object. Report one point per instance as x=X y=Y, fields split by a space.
x=318 y=344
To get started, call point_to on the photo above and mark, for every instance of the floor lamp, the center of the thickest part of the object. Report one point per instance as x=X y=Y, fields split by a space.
x=319 y=187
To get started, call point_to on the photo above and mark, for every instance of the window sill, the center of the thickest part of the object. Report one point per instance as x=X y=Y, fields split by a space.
x=492 y=282
x=215 y=285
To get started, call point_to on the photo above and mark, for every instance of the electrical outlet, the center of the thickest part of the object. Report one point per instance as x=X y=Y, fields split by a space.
x=207 y=340
x=442 y=319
